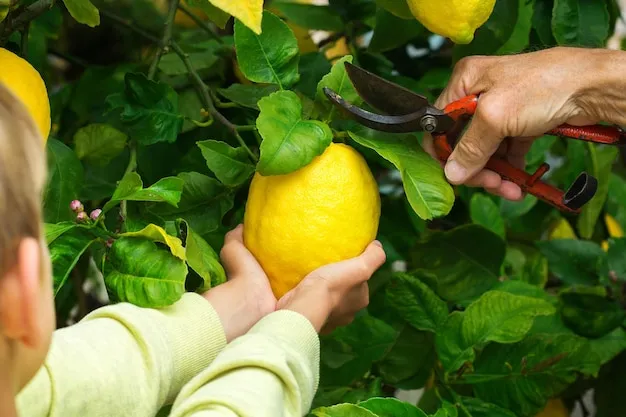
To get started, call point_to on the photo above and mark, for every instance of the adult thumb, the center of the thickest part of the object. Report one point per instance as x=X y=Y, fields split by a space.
x=473 y=150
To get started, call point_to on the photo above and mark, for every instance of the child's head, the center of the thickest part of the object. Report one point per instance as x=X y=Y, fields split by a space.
x=26 y=304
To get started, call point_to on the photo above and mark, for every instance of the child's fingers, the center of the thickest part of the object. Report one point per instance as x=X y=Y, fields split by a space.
x=234 y=253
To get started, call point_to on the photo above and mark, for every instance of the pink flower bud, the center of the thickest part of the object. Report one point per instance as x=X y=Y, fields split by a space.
x=76 y=206
x=81 y=217
x=109 y=243
x=95 y=214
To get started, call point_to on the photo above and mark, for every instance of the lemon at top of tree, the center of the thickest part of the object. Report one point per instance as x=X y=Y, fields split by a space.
x=23 y=80
x=325 y=212
x=454 y=19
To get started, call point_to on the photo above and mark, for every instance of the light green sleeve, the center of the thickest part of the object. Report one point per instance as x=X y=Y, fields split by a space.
x=123 y=360
x=272 y=371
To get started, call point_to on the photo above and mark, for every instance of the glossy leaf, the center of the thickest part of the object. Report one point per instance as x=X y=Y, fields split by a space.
x=392 y=32
x=513 y=209
x=343 y=410
x=141 y=273
x=485 y=212
x=64 y=180
x=230 y=165
x=580 y=23
x=590 y=315
x=247 y=95
x=53 y=231
x=270 y=56
x=83 y=11
x=171 y=64
x=410 y=298
x=338 y=81
x=203 y=260
x=599 y=163
x=571 y=260
x=391 y=407
x=452 y=350
x=313 y=67
x=99 y=143
x=148 y=110
x=426 y=188
x=479 y=408
x=289 y=141
x=203 y=203
x=310 y=16
x=158 y=234
x=463 y=268
x=249 y=12
x=65 y=251
x=398 y=8
x=130 y=188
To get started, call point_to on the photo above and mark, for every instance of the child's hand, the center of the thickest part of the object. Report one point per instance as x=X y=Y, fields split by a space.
x=247 y=296
x=331 y=295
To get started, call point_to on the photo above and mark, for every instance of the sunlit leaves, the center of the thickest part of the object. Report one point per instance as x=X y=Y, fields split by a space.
x=289 y=141
x=148 y=110
x=230 y=165
x=428 y=192
x=83 y=11
x=338 y=81
x=99 y=143
x=131 y=188
x=141 y=273
x=158 y=234
x=271 y=56
x=202 y=259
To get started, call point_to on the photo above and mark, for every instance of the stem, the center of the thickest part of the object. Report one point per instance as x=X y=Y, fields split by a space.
x=246 y=128
x=204 y=25
x=167 y=36
x=132 y=165
x=28 y=14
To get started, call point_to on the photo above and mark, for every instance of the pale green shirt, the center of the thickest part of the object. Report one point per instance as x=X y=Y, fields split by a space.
x=123 y=360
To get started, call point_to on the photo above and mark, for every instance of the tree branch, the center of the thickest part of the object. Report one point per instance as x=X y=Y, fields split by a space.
x=167 y=36
x=204 y=25
x=23 y=18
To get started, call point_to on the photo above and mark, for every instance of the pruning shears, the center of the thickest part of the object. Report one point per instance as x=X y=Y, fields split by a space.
x=407 y=112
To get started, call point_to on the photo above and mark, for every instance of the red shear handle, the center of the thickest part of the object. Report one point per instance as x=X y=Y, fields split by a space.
x=597 y=134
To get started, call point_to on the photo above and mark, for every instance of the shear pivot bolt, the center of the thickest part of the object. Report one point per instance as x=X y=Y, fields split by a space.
x=429 y=123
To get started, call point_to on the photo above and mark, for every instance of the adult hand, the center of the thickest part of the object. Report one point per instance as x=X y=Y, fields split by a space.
x=522 y=97
x=247 y=296
x=331 y=295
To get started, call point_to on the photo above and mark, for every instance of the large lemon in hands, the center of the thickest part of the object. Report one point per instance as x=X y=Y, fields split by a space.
x=325 y=212
x=27 y=85
x=454 y=19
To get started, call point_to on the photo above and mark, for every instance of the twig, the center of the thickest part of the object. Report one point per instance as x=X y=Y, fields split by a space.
x=24 y=17
x=132 y=165
x=204 y=25
x=167 y=36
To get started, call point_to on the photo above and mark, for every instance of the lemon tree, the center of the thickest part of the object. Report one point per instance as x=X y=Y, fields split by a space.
x=168 y=123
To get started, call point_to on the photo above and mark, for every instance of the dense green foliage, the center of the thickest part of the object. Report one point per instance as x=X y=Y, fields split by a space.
x=492 y=306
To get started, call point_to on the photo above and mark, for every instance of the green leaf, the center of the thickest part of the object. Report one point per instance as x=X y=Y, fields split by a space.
x=542 y=21
x=203 y=259
x=310 y=16
x=485 y=212
x=65 y=177
x=247 y=95
x=203 y=203
x=392 y=31
x=313 y=66
x=65 y=251
x=398 y=8
x=53 y=231
x=463 y=268
x=616 y=261
x=171 y=64
x=158 y=234
x=599 y=164
x=4 y=9
x=289 y=141
x=497 y=316
x=271 y=57
x=409 y=298
x=130 y=188
x=149 y=110
x=580 y=23
x=338 y=81
x=519 y=38
x=343 y=410
x=99 y=143
x=571 y=260
x=230 y=165
x=391 y=407
x=426 y=188
x=609 y=346
x=140 y=273
x=480 y=408
x=590 y=315
x=523 y=376
x=83 y=11
x=513 y=209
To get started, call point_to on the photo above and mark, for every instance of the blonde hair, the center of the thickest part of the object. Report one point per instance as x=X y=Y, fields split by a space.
x=22 y=177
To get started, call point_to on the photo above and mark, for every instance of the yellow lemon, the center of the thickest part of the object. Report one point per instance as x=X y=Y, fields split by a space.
x=26 y=83
x=554 y=408
x=454 y=19
x=614 y=229
x=325 y=212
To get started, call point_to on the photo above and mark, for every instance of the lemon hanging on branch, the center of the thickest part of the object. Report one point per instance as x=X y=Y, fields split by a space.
x=454 y=19
x=23 y=80
x=325 y=212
